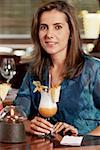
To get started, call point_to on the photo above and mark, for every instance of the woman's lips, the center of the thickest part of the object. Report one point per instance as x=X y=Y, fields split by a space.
x=50 y=43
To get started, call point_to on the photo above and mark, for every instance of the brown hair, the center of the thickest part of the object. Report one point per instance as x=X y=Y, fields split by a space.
x=74 y=60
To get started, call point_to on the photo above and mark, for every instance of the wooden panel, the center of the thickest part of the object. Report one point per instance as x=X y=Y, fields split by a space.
x=16 y=15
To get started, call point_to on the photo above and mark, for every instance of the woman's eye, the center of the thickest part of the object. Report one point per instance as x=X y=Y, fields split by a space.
x=42 y=27
x=58 y=27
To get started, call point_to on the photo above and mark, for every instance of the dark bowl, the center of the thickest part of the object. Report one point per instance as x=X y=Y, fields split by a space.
x=12 y=132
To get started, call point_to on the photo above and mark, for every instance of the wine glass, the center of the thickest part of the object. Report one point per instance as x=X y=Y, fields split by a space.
x=8 y=68
x=47 y=107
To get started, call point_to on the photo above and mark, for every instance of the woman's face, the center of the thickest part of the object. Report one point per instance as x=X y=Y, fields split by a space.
x=54 y=32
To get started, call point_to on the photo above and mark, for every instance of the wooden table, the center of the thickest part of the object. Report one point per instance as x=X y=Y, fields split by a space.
x=36 y=143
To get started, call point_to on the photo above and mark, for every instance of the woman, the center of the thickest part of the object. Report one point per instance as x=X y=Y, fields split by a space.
x=58 y=53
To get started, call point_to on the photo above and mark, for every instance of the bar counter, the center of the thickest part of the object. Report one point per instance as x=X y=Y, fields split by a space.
x=35 y=143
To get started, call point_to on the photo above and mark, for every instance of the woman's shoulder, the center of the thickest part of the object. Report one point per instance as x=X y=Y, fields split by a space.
x=91 y=68
x=29 y=76
x=92 y=61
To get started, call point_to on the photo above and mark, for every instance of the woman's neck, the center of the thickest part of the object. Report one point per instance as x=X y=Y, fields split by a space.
x=56 y=69
x=56 y=74
x=57 y=61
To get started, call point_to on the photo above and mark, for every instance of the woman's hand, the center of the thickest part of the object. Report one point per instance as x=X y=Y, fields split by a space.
x=27 y=125
x=96 y=131
x=62 y=126
x=40 y=126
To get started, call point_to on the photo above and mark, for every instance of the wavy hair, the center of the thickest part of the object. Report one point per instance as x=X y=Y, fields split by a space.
x=74 y=59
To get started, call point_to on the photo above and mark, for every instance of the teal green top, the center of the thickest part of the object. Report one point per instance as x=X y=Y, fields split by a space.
x=79 y=102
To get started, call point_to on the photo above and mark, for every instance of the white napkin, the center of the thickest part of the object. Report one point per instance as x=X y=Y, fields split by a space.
x=71 y=140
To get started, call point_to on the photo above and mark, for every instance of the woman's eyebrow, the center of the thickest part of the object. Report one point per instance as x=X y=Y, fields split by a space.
x=43 y=24
x=58 y=23
x=53 y=24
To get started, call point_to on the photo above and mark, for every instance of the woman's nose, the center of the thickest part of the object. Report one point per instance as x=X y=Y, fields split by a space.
x=49 y=33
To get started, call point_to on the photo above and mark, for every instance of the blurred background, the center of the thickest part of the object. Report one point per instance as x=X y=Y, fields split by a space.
x=15 y=26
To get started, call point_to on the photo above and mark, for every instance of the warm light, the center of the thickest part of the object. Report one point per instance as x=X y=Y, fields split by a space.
x=6 y=49
x=12 y=112
x=19 y=52
x=91 y=24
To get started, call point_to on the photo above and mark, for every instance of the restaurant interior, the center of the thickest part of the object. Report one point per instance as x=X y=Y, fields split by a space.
x=15 y=28
x=16 y=44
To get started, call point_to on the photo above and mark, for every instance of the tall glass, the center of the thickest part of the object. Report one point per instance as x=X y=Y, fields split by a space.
x=47 y=107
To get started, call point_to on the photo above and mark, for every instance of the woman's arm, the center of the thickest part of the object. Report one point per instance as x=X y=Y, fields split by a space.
x=23 y=98
x=96 y=98
x=96 y=131
x=96 y=90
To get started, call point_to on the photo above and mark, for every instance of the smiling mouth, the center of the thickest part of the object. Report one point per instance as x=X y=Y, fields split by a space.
x=50 y=43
